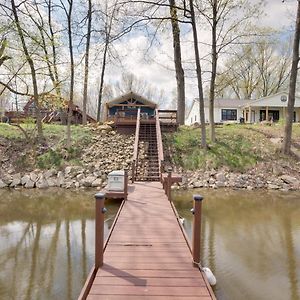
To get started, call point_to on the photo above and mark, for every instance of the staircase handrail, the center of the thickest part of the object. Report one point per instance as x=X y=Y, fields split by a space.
x=136 y=144
x=159 y=140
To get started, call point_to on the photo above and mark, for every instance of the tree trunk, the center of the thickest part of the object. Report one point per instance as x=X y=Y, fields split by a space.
x=214 y=60
x=70 y=104
x=86 y=64
x=178 y=65
x=32 y=71
x=286 y=147
x=199 y=76
x=56 y=83
x=102 y=79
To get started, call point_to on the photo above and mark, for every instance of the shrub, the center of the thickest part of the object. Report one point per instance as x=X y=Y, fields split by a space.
x=49 y=159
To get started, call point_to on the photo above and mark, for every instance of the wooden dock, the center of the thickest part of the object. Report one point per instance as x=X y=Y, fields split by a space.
x=147 y=254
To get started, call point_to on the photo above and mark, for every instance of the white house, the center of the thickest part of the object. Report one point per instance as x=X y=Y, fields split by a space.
x=224 y=110
x=253 y=111
x=272 y=107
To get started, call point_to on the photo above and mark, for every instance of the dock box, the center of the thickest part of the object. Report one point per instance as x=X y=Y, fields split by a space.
x=116 y=181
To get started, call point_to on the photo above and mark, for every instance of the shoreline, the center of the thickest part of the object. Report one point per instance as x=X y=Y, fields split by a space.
x=76 y=177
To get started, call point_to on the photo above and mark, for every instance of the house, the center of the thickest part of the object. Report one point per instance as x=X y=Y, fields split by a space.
x=126 y=107
x=224 y=110
x=123 y=111
x=271 y=108
x=51 y=113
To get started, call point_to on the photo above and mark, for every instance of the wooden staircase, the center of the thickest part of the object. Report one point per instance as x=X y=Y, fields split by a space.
x=148 y=165
x=148 y=154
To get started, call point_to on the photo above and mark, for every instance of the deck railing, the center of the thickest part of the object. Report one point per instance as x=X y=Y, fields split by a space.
x=168 y=116
x=159 y=142
x=100 y=245
x=136 y=146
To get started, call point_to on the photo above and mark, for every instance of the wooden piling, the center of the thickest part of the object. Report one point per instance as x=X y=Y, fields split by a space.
x=169 y=183
x=196 y=243
x=125 y=184
x=99 y=229
x=133 y=171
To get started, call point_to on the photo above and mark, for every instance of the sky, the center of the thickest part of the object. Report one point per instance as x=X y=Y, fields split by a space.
x=159 y=67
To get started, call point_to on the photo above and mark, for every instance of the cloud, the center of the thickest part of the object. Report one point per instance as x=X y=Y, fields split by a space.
x=279 y=15
x=156 y=64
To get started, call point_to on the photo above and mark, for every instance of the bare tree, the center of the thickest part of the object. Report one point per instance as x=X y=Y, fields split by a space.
x=286 y=146
x=178 y=64
x=260 y=69
x=199 y=75
x=229 y=22
x=86 y=62
x=32 y=69
x=3 y=57
x=273 y=69
x=108 y=24
x=68 y=10
x=130 y=83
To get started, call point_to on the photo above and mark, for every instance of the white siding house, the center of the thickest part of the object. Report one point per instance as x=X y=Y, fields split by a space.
x=225 y=110
x=272 y=108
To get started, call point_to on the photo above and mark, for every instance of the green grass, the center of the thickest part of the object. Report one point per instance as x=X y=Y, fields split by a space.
x=237 y=148
x=50 y=131
x=10 y=132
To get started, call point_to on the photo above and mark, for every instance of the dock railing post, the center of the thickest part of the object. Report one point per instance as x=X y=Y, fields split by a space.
x=196 y=244
x=99 y=229
x=161 y=170
x=169 y=183
x=133 y=171
x=125 y=184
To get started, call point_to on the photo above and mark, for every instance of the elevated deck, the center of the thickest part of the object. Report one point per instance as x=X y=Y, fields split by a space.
x=147 y=255
x=127 y=124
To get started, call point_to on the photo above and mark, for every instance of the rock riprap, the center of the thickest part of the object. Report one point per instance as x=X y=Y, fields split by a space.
x=261 y=177
x=108 y=151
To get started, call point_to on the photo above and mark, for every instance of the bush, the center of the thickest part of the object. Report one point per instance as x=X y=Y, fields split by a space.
x=49 y=159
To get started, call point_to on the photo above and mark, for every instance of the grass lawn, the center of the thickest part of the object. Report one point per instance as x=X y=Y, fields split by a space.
x=237 y=148
x=51 y=132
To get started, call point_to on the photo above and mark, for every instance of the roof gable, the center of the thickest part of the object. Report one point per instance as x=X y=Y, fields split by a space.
x=275 y=100
x=131 y=98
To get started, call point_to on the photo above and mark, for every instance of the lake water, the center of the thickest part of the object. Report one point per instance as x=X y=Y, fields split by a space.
x=251 y=240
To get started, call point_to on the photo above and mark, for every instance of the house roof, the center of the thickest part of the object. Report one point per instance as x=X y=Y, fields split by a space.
x=227 y=103
x=131 y=95
x=264 y=101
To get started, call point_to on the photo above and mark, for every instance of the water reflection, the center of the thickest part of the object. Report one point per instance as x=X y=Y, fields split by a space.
x=46 y=242
x=251 y=240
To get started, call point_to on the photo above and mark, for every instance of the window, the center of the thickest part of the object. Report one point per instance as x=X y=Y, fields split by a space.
x=229 y=114
x=192 y=120
x=195 y=118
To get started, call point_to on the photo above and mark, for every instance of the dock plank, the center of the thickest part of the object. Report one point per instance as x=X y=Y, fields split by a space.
x=148 y=290
x=147 y=256
x=147 y=297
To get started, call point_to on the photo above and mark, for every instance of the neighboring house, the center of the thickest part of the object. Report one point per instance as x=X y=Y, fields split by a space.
x=49 y=113
x=271 y=108
x=225 y=110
